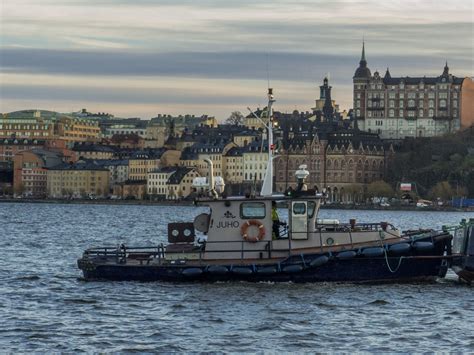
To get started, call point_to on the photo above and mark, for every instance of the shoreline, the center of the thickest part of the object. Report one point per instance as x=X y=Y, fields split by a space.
x=191 y=203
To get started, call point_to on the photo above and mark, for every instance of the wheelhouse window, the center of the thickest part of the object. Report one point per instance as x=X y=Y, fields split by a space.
x=299 y=208
x=252 y=210
x=311 y=208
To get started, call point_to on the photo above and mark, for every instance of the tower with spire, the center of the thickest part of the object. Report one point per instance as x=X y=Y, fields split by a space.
x=325 y=108
x=361 y=80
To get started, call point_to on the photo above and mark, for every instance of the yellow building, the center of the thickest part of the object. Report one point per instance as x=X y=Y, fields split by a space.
x=255 y=157
x=30 y=124
x=253 y=122
x=93 y=151
x=194 y=157
x=40 y=124
x=157 y=182
x=246 y=137
x=79 y=180
x=141 y=163
x=233 y=166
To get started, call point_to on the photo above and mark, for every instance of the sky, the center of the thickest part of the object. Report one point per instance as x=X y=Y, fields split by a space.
x=138 y=58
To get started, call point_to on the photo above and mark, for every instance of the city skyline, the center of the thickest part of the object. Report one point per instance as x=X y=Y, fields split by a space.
x=145 y=57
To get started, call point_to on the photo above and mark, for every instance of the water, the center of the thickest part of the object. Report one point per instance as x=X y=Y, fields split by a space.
x=44 y=306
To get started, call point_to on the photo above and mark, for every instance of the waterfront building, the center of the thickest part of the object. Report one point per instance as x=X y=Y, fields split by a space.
x=399 y=107
x=78 y=180
x=194 y=157
x=157 y=182
x=118 y=170
x=233 y=166
x=130 y=189
x=142 y=162
x=255 y=157
x=180 y=183
x=30 y=169
x=341 y=161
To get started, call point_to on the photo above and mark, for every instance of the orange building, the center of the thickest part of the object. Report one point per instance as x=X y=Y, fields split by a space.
x=30 y=171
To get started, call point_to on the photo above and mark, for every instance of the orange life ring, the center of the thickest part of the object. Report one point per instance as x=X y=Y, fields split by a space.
x=245 y=227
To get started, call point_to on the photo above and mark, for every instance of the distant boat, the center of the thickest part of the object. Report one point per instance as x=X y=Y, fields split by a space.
x=246 y=241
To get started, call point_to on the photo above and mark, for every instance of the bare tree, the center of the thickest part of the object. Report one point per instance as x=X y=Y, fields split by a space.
x=235 y=118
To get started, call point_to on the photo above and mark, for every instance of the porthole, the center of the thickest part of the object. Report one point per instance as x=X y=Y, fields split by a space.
x=329 y=241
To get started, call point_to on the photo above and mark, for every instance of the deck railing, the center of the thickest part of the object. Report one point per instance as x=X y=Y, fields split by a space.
x=159 y=254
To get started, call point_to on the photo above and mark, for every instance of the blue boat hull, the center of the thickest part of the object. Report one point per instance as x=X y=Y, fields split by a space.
x=418 y=264
x=355 y=270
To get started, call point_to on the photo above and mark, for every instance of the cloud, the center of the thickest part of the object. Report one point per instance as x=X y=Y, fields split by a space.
x=216 y=45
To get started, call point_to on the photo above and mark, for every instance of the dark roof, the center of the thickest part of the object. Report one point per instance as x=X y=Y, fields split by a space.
x=49 y=158
x=178 y=175
x=417 y=80
x=207 y=147
x=166 y=169
x=108 y=162
x=188 y=154
x=79 y=165
x=362 y=72
x=148 y=153
x=256 y=147
x=234 y=152
x=93 y=148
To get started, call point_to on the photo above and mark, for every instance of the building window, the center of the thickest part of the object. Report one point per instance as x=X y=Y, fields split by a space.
x=401 y=104
x=391 y=113
x=442 y=103
x=431 y=113
x=420 y=113
x=391 y=103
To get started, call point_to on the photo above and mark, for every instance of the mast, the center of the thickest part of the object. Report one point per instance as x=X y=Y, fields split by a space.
x=267 y=186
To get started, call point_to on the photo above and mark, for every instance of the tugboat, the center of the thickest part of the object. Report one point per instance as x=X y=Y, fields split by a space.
x=463 y=251
x=246 y=242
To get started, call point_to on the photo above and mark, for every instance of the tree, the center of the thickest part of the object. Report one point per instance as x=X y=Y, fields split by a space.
x=235 y=118
x=379 y=189
x=444 y=191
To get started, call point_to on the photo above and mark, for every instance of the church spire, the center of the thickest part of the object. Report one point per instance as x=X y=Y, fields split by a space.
x=446 y=69
x=362 y=71
x=362 y=59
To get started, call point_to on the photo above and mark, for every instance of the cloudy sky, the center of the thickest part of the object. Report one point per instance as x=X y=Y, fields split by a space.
x=137 y=58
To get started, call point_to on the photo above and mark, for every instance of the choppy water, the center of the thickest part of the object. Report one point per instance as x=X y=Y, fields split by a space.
x=44 y=306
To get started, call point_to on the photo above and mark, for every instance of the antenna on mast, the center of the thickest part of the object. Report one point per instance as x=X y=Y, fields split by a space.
x=267 y=186
x=268 y=71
